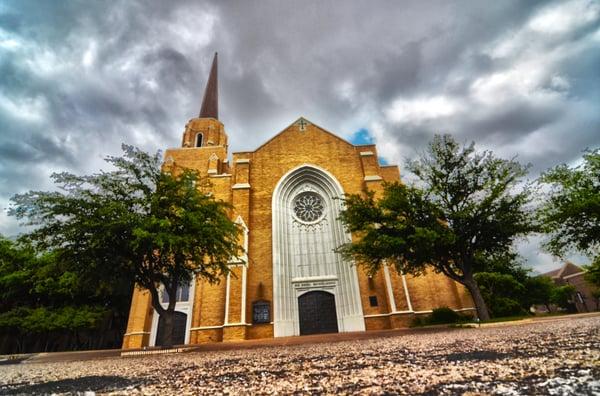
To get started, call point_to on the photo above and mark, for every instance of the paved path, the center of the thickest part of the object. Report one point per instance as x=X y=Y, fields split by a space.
x=288 y=341
x=560 y=356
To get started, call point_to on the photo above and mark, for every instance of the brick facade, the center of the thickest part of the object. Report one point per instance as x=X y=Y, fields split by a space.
x=223 y=312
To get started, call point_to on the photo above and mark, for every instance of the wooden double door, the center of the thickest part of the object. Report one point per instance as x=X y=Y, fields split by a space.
x=317 y=313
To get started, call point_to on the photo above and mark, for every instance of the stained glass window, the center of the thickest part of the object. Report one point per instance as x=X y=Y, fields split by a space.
x=308 y=206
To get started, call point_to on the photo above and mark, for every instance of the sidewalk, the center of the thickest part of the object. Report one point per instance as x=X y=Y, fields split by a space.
x=48 y=357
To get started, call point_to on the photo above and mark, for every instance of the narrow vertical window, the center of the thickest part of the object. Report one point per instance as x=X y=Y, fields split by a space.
x=199 y=140
x=261 y=311
x=373 y=301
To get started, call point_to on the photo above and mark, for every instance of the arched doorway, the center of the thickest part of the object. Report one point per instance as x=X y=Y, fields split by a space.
x=316 y=310
x=179 y=324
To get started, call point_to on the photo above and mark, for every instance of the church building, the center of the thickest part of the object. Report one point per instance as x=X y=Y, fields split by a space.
x=285 y=196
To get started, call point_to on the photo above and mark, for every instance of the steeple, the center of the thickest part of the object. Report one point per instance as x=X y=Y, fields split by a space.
x=210 y=102
x=206 y=130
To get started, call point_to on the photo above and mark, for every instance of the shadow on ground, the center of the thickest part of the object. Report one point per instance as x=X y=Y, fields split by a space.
x=476 y=356
x=72 y=385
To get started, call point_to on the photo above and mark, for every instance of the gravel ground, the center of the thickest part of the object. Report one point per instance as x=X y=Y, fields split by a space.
x=552 y=358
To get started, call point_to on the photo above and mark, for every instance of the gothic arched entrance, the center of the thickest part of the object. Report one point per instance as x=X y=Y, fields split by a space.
x=179 y=324
x=306 y=232
x=316 y=310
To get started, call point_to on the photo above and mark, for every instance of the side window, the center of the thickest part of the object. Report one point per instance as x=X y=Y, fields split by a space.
x=373 y=301
x=183 y=294
x=199 y=138
x=261 y=312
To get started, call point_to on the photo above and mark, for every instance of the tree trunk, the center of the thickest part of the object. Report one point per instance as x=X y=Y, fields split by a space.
x=480 y=305
x=168 y=318
x=166 y=314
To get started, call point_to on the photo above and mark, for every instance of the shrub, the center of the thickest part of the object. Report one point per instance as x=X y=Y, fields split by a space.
x=504 y=306
x=444 y=315
x=441 y=315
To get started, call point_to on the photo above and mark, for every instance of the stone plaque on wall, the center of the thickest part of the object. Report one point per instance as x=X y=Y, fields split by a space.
x=261 y=312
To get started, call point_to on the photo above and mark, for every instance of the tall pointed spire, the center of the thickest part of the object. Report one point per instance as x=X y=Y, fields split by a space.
x=210 y=102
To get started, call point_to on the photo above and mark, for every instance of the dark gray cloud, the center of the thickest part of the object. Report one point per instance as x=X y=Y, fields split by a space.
x=78 y=78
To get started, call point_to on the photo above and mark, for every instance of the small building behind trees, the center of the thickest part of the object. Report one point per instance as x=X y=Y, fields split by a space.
x=583 y=299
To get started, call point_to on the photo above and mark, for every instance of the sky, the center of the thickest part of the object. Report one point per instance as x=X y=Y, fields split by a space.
x=78 y=78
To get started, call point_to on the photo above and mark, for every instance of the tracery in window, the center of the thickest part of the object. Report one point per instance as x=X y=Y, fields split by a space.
x=309 y=207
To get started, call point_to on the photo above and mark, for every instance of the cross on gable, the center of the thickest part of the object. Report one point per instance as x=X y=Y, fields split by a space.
x=302 y=124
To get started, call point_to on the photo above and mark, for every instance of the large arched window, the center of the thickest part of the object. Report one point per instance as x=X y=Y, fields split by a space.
x=199 y=138
x=306 y=232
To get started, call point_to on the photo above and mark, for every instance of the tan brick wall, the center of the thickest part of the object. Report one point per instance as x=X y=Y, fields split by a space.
x=377 y=323
x=212 y=130
x=234 y=333
x=140 y=320
x=399 y=293
x=206 y=335
x=235 y=295
x=390 y=173
x=212 y=304
x=374 y=286
x=400 y=321
x=260 y=331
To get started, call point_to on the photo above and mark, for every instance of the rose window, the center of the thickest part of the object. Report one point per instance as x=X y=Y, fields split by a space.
x=308 y=207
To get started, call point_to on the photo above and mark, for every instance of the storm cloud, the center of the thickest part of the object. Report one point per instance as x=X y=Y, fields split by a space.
x=79 y=78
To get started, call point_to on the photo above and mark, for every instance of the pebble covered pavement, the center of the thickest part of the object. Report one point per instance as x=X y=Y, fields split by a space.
x=552 y=358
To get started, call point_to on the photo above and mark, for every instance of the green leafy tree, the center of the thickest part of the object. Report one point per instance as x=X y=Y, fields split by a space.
x=466 y=209
x=136 y=223
x=592 y=275
x=539 y=291
x=41 y=299
x=506 y=262
x=571 y=212
x=562 y=296
x=502 y=293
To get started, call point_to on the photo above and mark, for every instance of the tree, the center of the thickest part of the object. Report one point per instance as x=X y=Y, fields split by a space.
x=467 y=209
x=571 y=213
x=539 y=291
x=592 y=275
x=45 y=305
x=562 y=296
x=135 y=223
x=502 y=293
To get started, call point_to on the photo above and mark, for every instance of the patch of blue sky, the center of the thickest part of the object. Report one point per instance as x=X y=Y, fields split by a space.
x=363 y=136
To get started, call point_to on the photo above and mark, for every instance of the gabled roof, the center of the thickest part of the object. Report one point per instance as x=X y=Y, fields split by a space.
x=308 y=122
x=566 y=269
x=552 y=273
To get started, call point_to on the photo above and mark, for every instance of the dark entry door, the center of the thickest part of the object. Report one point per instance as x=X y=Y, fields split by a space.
x=179 y=324
x=317 y=313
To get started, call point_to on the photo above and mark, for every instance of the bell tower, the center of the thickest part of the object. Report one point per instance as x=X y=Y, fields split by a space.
x=206 y=130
